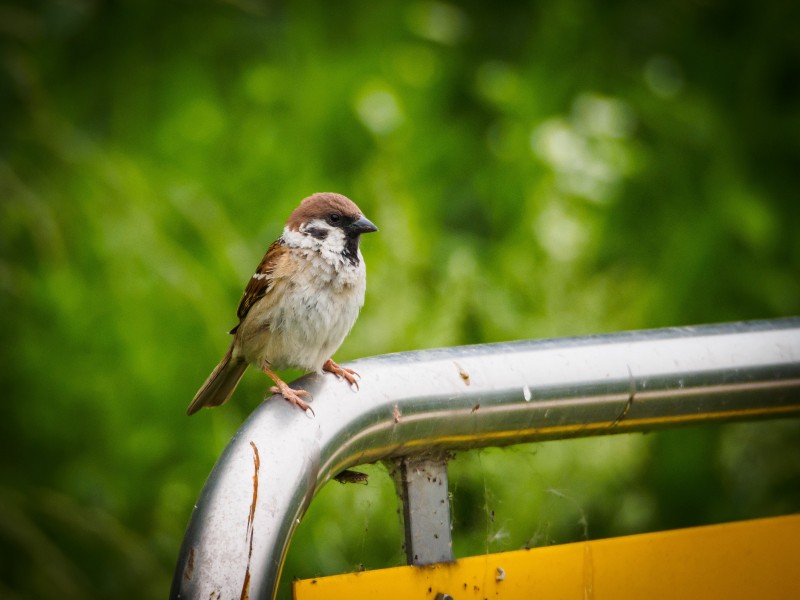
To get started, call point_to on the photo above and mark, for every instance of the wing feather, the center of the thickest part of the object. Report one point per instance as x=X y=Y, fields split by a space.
x=262 y=280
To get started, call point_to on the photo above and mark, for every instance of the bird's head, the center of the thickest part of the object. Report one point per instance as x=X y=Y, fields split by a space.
x=328 y=221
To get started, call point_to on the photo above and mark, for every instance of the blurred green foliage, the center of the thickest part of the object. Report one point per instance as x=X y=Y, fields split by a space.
x=536 y=169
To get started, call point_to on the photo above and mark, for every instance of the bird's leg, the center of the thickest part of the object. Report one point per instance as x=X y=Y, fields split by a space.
x=341 y=372
x=282 y=388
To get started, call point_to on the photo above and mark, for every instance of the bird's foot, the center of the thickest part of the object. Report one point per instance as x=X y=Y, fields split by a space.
x=292 y=396
x=341 y=372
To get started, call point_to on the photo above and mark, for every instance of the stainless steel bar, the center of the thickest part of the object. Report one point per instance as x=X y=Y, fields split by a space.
x=458 y=398
x=421 y=484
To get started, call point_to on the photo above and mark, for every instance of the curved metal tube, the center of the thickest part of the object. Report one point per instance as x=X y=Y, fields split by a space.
x=469 y=397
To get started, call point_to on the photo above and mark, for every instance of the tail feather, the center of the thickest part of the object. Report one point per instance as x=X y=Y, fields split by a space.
x=219 y=386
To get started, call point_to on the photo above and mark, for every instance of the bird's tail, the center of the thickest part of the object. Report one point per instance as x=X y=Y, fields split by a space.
x=220 y=384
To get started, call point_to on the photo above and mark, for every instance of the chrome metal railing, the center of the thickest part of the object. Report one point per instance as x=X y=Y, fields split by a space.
x=414 y=407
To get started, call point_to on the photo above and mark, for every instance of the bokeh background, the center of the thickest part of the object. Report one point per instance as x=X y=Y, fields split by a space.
x=536 y=170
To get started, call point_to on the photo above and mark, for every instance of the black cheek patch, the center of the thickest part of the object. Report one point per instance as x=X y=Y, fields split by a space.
x=317 y=232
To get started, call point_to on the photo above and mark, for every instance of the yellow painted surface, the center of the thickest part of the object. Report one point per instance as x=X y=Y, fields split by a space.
x=743 y=560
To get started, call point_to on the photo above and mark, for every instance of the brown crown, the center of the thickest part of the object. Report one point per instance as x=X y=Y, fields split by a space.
x=318 y=206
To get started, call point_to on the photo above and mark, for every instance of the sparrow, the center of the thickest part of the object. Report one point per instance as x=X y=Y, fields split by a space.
x=301 y=302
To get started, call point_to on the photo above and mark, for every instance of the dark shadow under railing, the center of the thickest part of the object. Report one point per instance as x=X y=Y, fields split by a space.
x=433 y=401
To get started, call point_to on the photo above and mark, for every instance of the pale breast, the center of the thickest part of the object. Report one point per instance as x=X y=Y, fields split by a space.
x=305 y=317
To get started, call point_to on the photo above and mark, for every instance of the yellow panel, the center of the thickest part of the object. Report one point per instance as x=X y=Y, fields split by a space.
x=743 y=560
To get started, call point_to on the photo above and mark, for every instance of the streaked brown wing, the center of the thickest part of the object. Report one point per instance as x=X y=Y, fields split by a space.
x=261 y=281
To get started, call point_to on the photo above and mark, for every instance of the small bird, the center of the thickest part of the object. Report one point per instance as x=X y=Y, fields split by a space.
x=301 y=302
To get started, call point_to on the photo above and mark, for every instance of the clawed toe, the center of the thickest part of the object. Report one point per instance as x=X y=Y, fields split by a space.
x=348 y=375
x=292 y=396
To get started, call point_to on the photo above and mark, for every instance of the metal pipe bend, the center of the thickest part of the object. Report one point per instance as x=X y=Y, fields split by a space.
x=467 y=397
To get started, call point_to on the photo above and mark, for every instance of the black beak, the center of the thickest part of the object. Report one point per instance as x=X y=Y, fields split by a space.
x=363 y=225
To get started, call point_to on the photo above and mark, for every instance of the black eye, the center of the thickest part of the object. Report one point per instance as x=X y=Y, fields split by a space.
x=334 y=218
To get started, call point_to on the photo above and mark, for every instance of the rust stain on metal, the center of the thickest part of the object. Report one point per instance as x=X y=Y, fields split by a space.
x=246 y=586
x=245 y=595
x=256 y=467
x=629 y=403
x=625 y=410
x=462 y=373
x=188 y=572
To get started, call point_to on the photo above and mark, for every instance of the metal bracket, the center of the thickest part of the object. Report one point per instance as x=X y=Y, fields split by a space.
x=421 y=484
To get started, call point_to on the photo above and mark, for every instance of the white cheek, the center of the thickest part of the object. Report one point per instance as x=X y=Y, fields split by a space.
x=331 y=246
x=334 y=242
x=298 y=239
